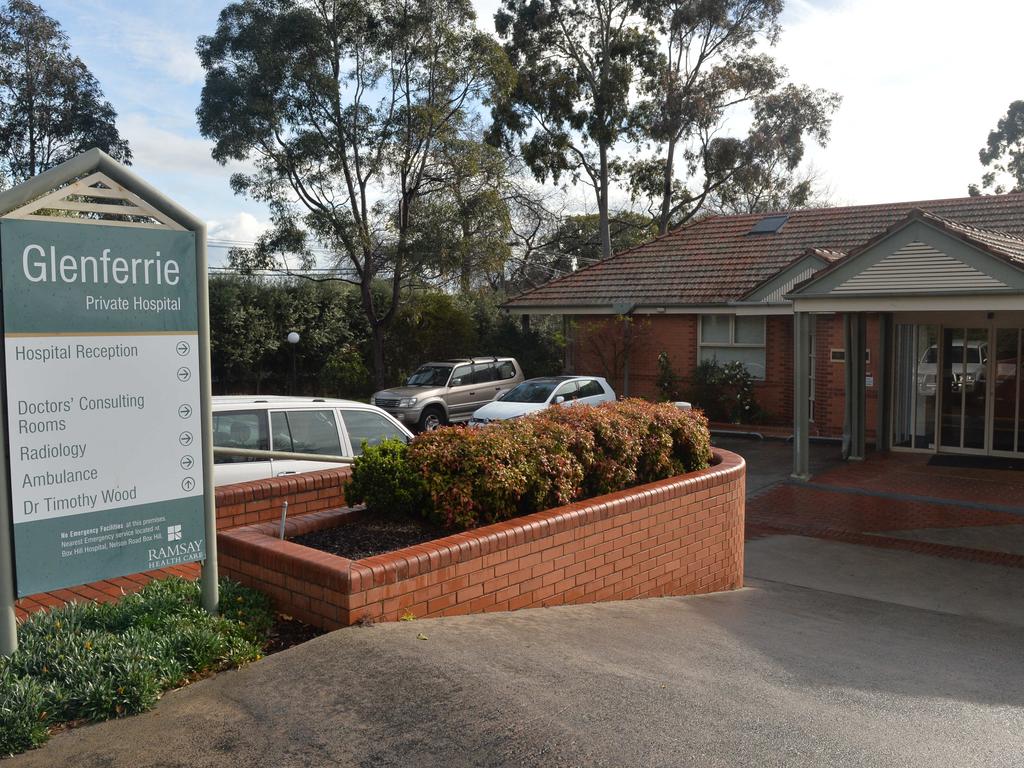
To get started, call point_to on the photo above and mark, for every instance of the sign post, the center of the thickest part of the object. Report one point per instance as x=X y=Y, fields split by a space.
x=106 y=384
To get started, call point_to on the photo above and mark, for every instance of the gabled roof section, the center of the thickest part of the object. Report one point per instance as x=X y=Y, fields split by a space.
x=924 y=254
x=802 y=268
x=713 y=261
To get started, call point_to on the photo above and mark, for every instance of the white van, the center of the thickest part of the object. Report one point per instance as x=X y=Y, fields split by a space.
x=295 y=424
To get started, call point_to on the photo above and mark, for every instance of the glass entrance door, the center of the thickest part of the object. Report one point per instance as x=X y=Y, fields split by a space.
x=1007 y=426
x=964 y=388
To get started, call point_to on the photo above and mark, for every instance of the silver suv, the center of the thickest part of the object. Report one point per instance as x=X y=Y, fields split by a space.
x=449 y=391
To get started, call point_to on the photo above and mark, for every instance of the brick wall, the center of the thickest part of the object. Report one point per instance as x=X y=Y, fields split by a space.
x=681 y=536
x=597 y=350
x=260 y=500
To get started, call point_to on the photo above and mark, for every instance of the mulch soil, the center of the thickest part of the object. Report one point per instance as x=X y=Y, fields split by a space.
x=287 y=632
x=371 y=535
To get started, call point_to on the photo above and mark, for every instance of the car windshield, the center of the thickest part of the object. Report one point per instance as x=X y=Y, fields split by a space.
x=530 y=392
x=430 y=376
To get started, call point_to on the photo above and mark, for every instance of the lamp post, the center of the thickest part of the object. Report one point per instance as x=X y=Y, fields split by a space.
x=293 y=340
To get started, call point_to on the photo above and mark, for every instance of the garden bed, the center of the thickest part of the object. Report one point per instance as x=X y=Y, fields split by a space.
x=679 y=536
x=366 y=535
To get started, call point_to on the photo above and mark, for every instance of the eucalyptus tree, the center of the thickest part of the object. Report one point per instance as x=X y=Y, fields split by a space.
x=713 y=65
x=578 y=62
x=1003 y=154
x=341 y=110
x=51 y=105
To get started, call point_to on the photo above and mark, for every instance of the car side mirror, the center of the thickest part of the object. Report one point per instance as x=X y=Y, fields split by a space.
x=457 y=381
x=559 y=400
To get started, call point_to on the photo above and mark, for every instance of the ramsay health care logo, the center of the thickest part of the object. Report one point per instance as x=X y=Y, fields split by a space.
x=173 y=532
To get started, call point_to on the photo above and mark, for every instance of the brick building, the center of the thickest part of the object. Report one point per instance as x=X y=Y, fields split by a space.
x=930 y=295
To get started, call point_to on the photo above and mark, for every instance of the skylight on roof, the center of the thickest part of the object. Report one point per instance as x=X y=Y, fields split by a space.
x=769 y=225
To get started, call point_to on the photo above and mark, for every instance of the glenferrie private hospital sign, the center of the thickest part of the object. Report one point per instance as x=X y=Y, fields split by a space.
x=104 y=424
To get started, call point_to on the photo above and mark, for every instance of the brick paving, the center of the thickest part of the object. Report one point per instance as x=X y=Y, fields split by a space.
x=859 y=502
x=106 y=591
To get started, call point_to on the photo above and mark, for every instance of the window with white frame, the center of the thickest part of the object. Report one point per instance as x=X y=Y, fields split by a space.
x=734 y=339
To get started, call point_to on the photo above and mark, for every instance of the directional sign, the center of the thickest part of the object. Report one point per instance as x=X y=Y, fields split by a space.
x=103 y=401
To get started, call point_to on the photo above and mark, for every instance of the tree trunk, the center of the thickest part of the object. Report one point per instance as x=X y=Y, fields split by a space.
x=602 y=205
x=666 y=190
x=377 y=342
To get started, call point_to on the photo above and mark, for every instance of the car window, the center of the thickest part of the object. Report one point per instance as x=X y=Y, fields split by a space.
x=430 y=376
x=529 y=392
x=506 y=370
x=463 y=372
x=305 y=431
x=240 y=429
x=483 y=373
x=590 y=388
x=368 y=428
x=567 y=390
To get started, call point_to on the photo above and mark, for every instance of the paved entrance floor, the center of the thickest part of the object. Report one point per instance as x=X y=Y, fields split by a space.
x=894 y=501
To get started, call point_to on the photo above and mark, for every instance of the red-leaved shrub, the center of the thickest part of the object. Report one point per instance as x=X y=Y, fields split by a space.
x=477 y=476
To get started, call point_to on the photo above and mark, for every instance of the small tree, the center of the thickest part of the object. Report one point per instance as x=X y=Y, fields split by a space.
x=51 y=106
x=345 y=110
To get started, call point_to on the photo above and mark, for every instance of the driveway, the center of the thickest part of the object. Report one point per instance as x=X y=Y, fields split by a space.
x=772 y=675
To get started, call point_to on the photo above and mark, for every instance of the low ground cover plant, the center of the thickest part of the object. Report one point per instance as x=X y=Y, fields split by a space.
x=96 y=661
x=463 y=478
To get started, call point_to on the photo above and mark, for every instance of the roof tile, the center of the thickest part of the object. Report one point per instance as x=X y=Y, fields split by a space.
x=716 y=260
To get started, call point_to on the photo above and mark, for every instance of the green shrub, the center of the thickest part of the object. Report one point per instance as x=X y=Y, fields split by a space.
x=385 y=481
x=23 y=716
x=725 y=392
x=668 y=381
x=92 y=661
x=463 y=478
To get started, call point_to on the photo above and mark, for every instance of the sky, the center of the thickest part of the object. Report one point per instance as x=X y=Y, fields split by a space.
x=923 y=82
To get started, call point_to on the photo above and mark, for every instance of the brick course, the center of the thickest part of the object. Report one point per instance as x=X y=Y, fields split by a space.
x=679 y=536
x=260 y=501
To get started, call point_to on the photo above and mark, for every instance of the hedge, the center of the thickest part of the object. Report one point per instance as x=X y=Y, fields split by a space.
x=470 y=477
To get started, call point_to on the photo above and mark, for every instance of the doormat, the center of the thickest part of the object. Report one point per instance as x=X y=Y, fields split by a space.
x=975 y=462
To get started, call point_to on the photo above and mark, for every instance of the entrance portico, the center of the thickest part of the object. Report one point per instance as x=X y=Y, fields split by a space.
x=950 y=303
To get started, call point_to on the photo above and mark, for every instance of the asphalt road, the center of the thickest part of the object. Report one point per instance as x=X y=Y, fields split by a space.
x=772 y=675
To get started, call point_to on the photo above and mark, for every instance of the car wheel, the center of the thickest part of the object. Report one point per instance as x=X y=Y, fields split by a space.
x=431 y=419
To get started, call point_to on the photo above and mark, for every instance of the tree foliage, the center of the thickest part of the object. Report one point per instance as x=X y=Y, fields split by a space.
x=577 y=62
x=51 y=106
x=1004 y=154
x=348 y=111
x=710 y=67
x=250 y=317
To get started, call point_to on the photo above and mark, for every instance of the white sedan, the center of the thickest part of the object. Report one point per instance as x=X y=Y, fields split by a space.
x=537 y=394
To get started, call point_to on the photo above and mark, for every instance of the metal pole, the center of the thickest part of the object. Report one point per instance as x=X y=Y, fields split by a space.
x=8 y=619
x=284 y=518
x=208 y=579
x=293 y=370
x=801 y=396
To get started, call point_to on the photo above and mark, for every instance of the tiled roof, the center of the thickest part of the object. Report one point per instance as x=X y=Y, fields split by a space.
x=1001 y=243
x=715 y=261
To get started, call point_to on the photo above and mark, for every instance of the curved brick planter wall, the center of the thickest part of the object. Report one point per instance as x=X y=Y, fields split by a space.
x=681 y=536
x=259 y=501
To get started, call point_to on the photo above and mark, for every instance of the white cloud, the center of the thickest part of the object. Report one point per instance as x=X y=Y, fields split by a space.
x=241 y=227
x=167 y=149
x=166 y=52
x=923 y=82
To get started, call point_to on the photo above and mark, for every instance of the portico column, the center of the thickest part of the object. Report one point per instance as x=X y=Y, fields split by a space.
x=883 y=383
x=855 y=333
x=801 y=394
